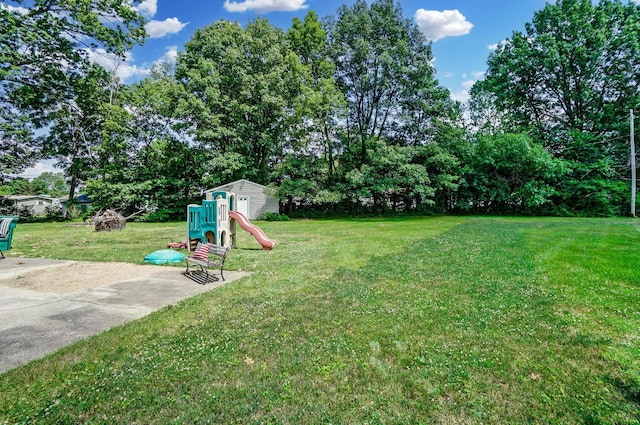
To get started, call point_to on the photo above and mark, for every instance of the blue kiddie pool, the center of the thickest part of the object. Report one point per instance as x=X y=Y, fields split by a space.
x=164 y=256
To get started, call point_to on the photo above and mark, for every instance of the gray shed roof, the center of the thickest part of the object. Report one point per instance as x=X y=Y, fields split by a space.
x=224 y=186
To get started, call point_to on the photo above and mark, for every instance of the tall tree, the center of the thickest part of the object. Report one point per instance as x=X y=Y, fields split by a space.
x=243 y=85
x=391 y=179
x=77 y=124
x=431 y=122
x=21 y=186
x=145 y=161
x=570 y=79
x=509 y=173
x=442 y=158
x=378 y=55
x=52 y=184
x=18 y=149
x=44 y=45
x=576 y=67
x=323 y=103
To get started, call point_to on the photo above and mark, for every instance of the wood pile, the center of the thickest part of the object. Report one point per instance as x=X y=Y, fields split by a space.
x=108 y=220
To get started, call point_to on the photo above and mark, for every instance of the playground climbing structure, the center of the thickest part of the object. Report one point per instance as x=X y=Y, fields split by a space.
x=215 y=222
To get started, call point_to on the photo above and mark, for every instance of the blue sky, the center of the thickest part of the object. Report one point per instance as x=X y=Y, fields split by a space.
x=462 y=31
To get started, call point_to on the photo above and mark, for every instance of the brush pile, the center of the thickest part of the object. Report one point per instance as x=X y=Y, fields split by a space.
x=108 y=220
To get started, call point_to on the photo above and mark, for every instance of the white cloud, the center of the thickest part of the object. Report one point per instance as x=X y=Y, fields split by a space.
x=158 y=29
x=436 y=24
x=494 y=47
x=20 y=10
x=477 y=74
x=169 y=56
x=265 y=6
x=124 y=69
x=46 y=166
x=461 y=96
x=148 y=8
x=468 y=84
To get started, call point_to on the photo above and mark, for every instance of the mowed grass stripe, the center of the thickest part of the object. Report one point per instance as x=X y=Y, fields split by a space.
x=438 y=320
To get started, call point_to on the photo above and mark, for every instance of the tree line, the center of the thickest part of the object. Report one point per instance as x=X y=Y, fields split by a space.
x=339 y=115
x=47 y=183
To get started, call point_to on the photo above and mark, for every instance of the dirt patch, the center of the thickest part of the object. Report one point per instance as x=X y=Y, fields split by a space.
x=77 y=276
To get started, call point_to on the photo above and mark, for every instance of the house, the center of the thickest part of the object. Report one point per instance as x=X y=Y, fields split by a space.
x=36 y=203
x=82 y=202
x=252 y=199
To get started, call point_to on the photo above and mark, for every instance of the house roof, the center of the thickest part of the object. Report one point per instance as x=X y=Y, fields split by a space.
x=26 y=197
x=219 y=188
x=82 y=199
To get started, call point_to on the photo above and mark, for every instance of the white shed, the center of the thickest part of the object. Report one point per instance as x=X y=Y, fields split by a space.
x=252 y=199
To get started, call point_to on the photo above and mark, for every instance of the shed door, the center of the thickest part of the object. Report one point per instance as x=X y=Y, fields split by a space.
x=243 y=205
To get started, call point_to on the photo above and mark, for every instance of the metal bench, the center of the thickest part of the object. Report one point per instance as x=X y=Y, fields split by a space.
x=214 y=259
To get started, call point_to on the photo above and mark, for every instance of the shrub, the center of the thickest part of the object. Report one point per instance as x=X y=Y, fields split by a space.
x=7 y=206
x=272 y=216
x=25 y=213
x=53 y=213
x=158 y=216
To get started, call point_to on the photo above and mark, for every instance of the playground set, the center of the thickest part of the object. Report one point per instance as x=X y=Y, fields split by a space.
x=215 y=222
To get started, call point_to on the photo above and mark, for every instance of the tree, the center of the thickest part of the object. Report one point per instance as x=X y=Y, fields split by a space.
x=145 y=161
x=442 y=159
x=77 y=124
x=382 y=59
x=52 y=184
x=597 y=184
x=509 y=173
x=7 y=206
x=570 y=80
x=576 y=67
x=243 y=86
x=430 y=122
x=161 y=181
x=303 y=178
x=323 y=103
x=18 y=149
x=21 y=186
x=392 y=179
x=45 y=45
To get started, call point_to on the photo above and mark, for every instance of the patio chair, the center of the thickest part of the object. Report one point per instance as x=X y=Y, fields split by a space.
x=7 y=224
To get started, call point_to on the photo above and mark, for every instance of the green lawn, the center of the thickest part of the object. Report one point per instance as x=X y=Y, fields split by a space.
x=397 y=321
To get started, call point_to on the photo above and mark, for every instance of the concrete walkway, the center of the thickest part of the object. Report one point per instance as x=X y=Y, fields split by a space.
x=36 y=323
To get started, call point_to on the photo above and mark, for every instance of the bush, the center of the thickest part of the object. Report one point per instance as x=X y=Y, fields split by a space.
x=25 y=213
x=53 y=213
x=272 y=216
x=7 y=206
x=158 y=216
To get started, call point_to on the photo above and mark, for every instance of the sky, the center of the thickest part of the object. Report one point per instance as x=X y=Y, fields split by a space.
x=463 y=32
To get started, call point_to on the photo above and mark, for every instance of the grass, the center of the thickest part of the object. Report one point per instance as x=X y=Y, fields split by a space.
x=396 y=321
